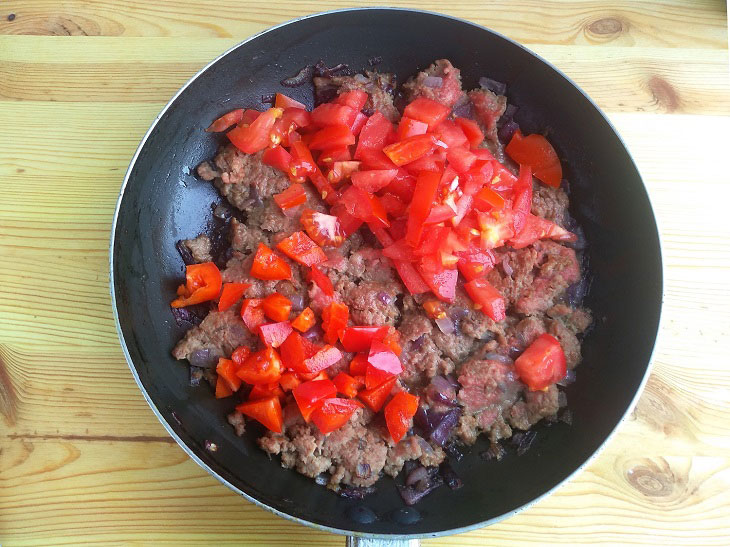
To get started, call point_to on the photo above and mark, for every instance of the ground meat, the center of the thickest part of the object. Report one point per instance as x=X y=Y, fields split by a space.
x=238 y=422
x=238 y=270
x=220 y=332
x=372 y=303
x=526 y=332
x=199 y=247
x=412 y=447
x=245 y=237
x=448 y=93
x=379 y=88
x=207 y=172
x=489 y=108
x=550 y=203
x=536 y=406
x=577 y=320
x=568 y=341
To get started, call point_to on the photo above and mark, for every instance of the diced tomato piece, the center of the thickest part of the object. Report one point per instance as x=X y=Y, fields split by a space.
x=264 y=391
x=279 y=134
x=403 y=186
x=359 y=364
x=262 y=367
x=410 y=277
x=496 y=228
x=333 y=114
x=304 y=321
x=239 y=355
x=291 y=197
x=440 y=213
x=202 y=283
x=384 y=361
x=322 y=281
x=267 y=265
x=487 y=199
x=277 y=307
x=332 y=136
x=392 y=340
x=474 y=263
x=361 y=337
x=348 y=222
x=535 y=150
x=274 y=334
x=232 y=293
x=535 y=228
x=375 y=398
x=373 y=180
x=342 y=170
x=347 y=385
x=355 y=99
x=323 y=186
x=332 y=155
x=309 y=376
x=255 y=137
x=298 y=116
x=486 y=298
x=226 y=369
x=502 y=179
x=222 y=389
x=410 y=149
x=360 y=121
x=408 y=127
x=429 y=162
x=451 y=134
x=460 y=159
x=441 y=280
x=364 y=206
x=542 y=363
x=471 y=130
x=434 y=309
x=427 y=111
x=392 y=204
x=277 y=157
x=282 y=101
x=433 y=237
x=324 y=229
x=252 y=313
x=302 y=163
x=265 y=411
x=399 y=414
x=333 y=413
x=334 y=319
x=522 y=200
x=400 y=250
x=226 y=121
x=300 y=248
x=423 y=197
x=376 y=159
x=324 y=358
x=289 y=380
x=294 y=350
x=373 y=134
x=249 y=115
x=309 y=395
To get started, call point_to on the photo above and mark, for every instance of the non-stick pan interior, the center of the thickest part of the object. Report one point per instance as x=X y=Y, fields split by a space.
x=163 y=202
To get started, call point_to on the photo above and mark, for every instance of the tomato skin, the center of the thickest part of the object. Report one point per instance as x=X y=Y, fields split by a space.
x=522 y=200
x=282 y=101
x=252 y=313
x=255 y=137
x=355 y=99
x=324 y=358
x=427 y=110
x=398 y=414
x=309 y=395
x=291 y=197
x=300 y=248
x=423 y=197
x=278 y=157
x=359 y=338
x=408 y=127
x=203 y=282
x=266 y=411
x=347 y=385
x=222 y=389
x=333 y=413
x=539 y=228
x=305 y=320
x=489 y=299
x=232 y=293
x=226 y=121
x=262 y=367
x=441 y=280
x=383 y=364
x=325 y=230
x=410 y=149
x=542 y=363
x=264 y=391
x=373 y=135
x=487 y=200
x=274 y=334
x=322 y=281
x=537 y=152
x=277 y=307
x=331 y=137
x=374 y=179
x=328 y=114
x=267 y=265
x=375 y=398
x=226 y=369
x=294 y=350
x=334 y=319
x=359 y=364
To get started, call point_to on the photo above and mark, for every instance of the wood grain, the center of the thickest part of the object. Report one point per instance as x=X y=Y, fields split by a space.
x=82 y=457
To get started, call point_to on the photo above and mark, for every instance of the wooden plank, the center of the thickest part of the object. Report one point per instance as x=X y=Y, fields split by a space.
x=669 y=23
x=619 y=79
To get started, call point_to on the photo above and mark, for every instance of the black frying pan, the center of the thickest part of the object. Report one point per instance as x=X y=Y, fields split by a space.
x=162 y=201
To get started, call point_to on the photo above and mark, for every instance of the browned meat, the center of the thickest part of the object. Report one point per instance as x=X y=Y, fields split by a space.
x=536 y=406
x=237 y=420
x=220 y=332
x=412 y=447
x=447 y=93
x=489 y=108
x=199 y=247
x=550 y=203
x=245 y=237
x=372 y=303
x=568 y=341
x=378 y=86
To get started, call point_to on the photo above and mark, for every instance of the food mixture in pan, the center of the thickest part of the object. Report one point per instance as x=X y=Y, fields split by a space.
x=395 y=274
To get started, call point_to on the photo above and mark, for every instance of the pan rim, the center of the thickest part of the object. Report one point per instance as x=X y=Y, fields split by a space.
x=341 y=531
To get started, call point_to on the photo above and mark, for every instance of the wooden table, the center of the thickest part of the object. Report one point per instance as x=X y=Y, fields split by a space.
x=82 y=457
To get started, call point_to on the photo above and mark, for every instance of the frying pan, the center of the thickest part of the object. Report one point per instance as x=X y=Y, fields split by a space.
x=161 y=201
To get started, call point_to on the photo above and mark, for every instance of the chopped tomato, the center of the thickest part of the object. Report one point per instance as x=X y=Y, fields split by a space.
x=542 y=363
x=440 y=213
x=309 y=395
x=333 y=114
x=267 y=265
x=226 y=121
x=324 y=229
x=274 y=334
x=291 y=197
x=300 y=247
x=249 y=115
x=486 y=298
x=487 y=199
x=408 y=127
x=427 y=184
x=262 y=367
x=226 y=369
x=375 y=398
x=323 y=186
x=359 y=338
x=322 y=281
x=471 y=130
x=364 y=206
x=383 y=364
x=324 y=358
x=348 y=223
x=332 y=136
x=410 y=277
x=222 y=389
x=334 y=319
x=399 y=413
x=376 y=159
x=202 y=283
x=359 y=364
x=346 y=384
x=536 y=228
x=461 y=159
x=474 y=263
x=373 y=134
x=277 y=307
x=302 y=163
x=232 y=293
x=277 y=157
x=239 y=355
x=265 y=411
x=255 y=137
x=410 y=149
x=304 y=321
x=298 y=116
x=441 y=280
x=264 y=391
x=342 y=170
x=252 y=313
x=333 y=413
x=333 y=155
x=496 y=228
x=434 y=309
x=451 y=134
x=522 y=200
x=427 y=111
x=392 y=340
x=374 y=179
x=309 y=376
x=289 y=380
x=535 y=150
x=294 y=350
x=282 y=101
x=400 y=250
x=355 y=99
x=392 y=204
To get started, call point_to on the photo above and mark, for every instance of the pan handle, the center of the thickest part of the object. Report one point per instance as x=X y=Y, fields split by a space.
x=353 y=541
